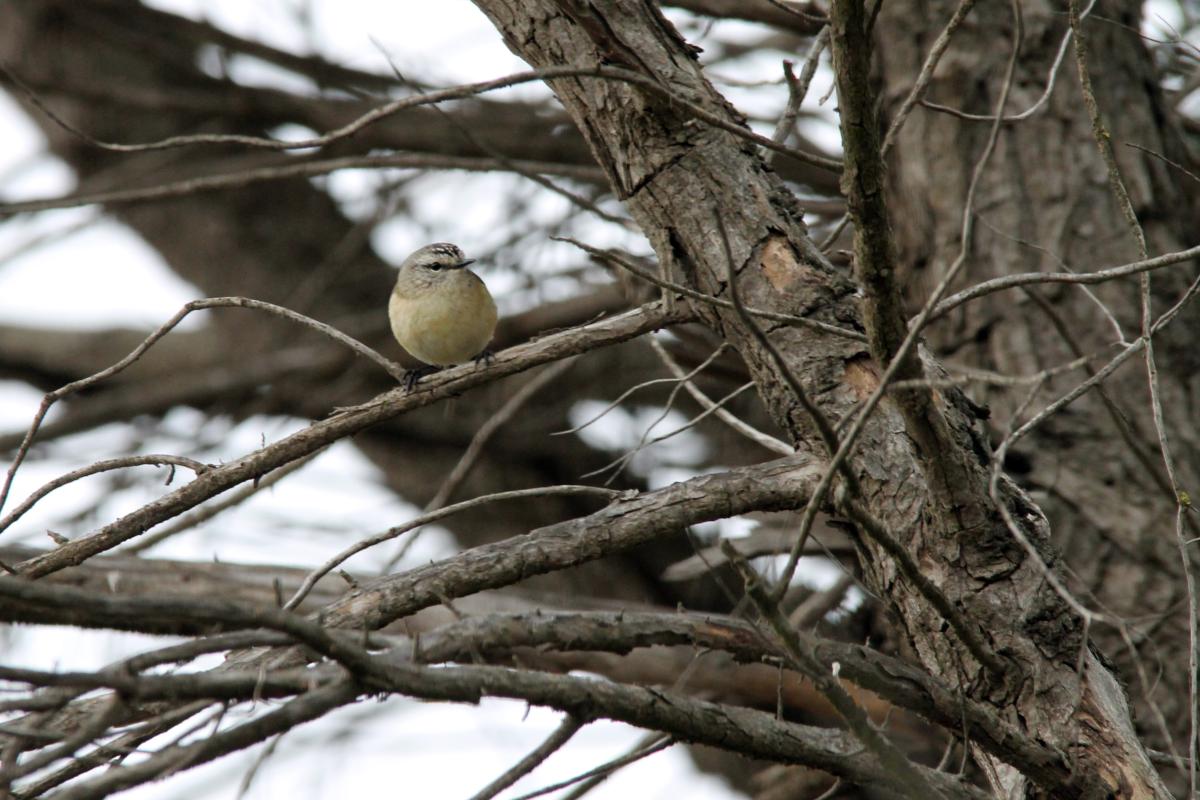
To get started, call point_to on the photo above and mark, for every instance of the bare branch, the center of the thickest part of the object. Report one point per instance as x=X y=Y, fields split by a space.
x=775 y=485
x=428 y=98
x=348 y=422
x=433 y=516
x=612 y=257
x=1030 y=278
x=51 y=398
x=305 y=169
x=94 y=469
x=913 y=783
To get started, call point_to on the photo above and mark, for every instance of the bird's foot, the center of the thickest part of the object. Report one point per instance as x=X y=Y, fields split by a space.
x=413 y=376
x=485 y=358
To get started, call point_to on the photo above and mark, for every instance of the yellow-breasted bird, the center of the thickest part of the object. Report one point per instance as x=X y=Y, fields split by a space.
x=441 y=312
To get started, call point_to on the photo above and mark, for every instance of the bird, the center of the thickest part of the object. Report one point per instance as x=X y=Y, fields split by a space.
x=441 y=312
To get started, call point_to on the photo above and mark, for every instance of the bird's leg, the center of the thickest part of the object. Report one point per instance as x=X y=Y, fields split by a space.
x=486 y=358
x=413 y=376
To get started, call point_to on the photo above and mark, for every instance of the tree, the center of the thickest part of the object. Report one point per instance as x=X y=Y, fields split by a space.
x=1008 y=481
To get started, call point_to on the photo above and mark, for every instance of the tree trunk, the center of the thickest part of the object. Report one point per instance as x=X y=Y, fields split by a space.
x=1044 y=201
x=929 y=488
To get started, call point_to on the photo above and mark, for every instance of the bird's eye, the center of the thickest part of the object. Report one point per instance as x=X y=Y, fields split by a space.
x=435 y=267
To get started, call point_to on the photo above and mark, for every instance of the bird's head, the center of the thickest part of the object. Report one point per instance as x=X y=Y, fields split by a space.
x=431 y=265
x=436 y=257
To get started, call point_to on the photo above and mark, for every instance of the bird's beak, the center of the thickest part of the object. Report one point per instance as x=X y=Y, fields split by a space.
x=466 y=262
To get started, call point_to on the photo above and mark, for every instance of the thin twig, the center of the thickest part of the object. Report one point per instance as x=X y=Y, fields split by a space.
x=620 y=463
x=797 y=89
x=107 y=465
x=811 y=62
x=510 y=164
x=968 y=375
x=452 y=93
x=482 y=436
x=1164 y=159
x=1018 y=531
x=910 y=781
x=824 y=429
x=661 y=743
x=647 y=740
x=1051 y=78
x=1121 y=194
x=392 y=368
x=765 y=440
x=940 y=45
x=644 y=384
x=1030 y=278
x=790 y=319
x=792 y=110
x=304 y=169
x=211 y=510
x=554 y=742
x=259 y=761
x=1100 y=305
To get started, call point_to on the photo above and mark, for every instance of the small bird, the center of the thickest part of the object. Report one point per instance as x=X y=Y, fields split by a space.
x=441 y=312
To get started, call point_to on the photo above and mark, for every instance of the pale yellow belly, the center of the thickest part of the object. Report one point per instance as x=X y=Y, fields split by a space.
x=448 y=326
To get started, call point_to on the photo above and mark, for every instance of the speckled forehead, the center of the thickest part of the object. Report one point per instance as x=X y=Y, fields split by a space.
x=445 y=249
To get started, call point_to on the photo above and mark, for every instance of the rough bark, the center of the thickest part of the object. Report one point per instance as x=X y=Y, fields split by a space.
x=1043 y=201
x=677 y=176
